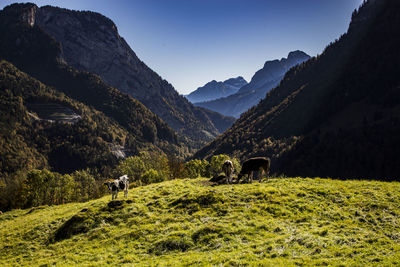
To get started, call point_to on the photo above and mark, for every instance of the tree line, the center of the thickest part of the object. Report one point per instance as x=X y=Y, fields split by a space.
x=35 y=187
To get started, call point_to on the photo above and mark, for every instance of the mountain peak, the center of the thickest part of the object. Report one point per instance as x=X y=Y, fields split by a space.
x=297 y=54
x=214 y=90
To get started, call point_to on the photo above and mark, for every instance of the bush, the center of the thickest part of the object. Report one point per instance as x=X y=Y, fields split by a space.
x=176 y=167
x=137 y=166
x=195 y=168
x=134 y=167
x=87 y=187
x=152 y=176
x=43 y=187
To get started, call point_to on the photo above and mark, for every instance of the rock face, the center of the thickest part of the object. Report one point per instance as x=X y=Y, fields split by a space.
x=90 y=42
x=214 y=90
x=261 y=83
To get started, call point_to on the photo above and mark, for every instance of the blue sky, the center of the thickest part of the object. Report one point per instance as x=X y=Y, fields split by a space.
x=191 y=42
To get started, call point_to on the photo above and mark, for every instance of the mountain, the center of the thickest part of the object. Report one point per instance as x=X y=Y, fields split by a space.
x=89 y=42
x=336 y=115
x=261 y=83
x=41 y=127
x=213 y=90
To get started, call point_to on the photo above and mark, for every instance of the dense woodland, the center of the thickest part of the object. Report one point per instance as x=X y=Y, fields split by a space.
x=336 y=115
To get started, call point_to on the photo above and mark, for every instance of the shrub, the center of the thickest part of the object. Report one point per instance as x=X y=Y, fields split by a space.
x=195 y=168
x=43 y=187
x=135 y=167
x=152 y=176
x=87 y=187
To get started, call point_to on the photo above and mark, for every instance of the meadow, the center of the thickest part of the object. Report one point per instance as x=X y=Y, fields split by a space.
x=280 y=221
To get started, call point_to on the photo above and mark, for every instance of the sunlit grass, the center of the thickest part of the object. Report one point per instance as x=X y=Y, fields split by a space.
x=283 y=221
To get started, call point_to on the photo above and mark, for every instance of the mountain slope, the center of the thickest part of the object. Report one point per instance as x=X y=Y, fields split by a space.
x=43 y=128
x=283 y=222
x=337 y=115
x=213 y=90
x=90 y=42
x=261 y=83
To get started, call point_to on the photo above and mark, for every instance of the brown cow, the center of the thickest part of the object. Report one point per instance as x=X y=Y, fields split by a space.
x=254 y=164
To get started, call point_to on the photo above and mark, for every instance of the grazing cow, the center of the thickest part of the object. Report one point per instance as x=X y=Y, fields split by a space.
x=228 y=169
x=120 y=184
x=254 y=165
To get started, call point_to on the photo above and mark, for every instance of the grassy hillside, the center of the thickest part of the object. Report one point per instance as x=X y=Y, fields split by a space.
x=283 y=221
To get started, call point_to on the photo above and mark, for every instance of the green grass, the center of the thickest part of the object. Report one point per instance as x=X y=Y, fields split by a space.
x=283 y=221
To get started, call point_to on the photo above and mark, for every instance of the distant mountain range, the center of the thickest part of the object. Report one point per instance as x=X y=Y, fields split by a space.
x=88 y=41
x=336 y=115
x=261 y=83
x=214 y=90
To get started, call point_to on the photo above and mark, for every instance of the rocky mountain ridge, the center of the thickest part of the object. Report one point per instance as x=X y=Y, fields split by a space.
x=214 y=90
x=261 y=83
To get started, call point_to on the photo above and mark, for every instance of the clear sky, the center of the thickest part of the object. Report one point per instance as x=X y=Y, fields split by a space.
x=191 y=42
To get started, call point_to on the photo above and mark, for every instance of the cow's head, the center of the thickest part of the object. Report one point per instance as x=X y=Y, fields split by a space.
x=108 y=184
x=112 y=186
x=124 y=178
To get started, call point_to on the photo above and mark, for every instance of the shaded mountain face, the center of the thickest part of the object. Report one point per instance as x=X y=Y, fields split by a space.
x=41 y=127
x=88 y=41
x=261 y=83
x=337 y=115
x=214 y=90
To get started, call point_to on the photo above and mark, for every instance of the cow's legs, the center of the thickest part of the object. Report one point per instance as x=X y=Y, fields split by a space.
x=255 y=175
x=251 y=177
x=125 y=193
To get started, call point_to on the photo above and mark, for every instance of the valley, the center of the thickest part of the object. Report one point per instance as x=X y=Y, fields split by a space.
x=79 y=109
